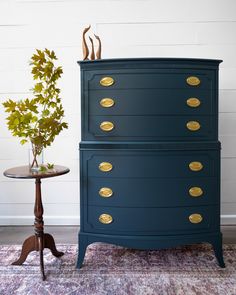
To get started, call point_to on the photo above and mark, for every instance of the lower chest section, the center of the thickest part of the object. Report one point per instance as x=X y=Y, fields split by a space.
x=150 y=191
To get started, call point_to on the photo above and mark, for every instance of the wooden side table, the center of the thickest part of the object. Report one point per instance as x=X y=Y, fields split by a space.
x=40 y=240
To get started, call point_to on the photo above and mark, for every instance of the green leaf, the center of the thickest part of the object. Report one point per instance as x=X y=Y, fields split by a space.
x=38 y=87
x=43 y=169
x=16 y=121
x=45 y=113
x=50 y=166
x=23 y=141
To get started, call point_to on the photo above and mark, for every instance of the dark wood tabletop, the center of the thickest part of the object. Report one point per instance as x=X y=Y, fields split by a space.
x=25 y=172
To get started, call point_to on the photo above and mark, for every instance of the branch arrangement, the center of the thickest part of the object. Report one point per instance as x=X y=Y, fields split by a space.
x=40 y=119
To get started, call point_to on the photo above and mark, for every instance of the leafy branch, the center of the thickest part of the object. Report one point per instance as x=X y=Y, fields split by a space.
x=40 y=119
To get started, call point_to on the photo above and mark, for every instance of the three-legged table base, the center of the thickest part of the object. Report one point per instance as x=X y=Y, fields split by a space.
x=40 y=240
x=38 y=243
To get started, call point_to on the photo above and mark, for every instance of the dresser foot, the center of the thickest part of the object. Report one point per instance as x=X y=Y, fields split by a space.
x=83 y=244
x=217 y=246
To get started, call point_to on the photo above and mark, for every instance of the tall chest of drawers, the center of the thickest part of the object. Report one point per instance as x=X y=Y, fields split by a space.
x=149 y=154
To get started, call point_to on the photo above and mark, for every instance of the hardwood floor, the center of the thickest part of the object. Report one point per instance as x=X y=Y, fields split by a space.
x=16 y=234
x=10 y=235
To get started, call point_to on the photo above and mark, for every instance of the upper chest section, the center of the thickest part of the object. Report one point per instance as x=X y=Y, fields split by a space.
x=150 y=99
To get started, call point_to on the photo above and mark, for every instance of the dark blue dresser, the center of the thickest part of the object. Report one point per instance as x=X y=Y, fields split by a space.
x=150 y=155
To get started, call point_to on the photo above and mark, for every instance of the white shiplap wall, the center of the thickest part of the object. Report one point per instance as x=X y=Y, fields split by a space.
x=128 y=28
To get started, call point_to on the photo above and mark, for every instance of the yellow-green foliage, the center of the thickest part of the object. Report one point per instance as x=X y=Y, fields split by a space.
x=39 y=119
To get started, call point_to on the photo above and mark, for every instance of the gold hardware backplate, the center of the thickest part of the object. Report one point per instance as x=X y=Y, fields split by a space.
x=193 y=81
x=105 y=192
x=107 y=102
x=105 y=218
x=195 y=218
x=195 y=191
x=193 y=125
x=105 y=166
x=193 y=102
x=195 y=166
x=107 y=126
x=107 y=81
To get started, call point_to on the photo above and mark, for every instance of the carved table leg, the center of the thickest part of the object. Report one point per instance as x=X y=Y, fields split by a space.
x=50 y=244
x=39 y=224
x=28 y=246
x=40 y=240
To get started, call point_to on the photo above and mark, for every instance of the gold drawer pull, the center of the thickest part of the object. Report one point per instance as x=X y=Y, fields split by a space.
x=195 y=218
x=107 y=126
x=193 y=102
x=193 y=81
x=105 y=218
x=107 y=81
x=105 y=192
x=107 y=102
x=193 y=125
x=105 y=166
x=195 y=191
x=195 y=166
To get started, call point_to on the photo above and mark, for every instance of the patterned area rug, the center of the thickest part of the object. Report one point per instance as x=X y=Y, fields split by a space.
x=108 y=269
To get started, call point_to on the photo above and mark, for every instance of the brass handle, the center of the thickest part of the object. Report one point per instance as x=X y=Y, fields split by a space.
x=193 y=102
x=105 y=218
x=107 y=102
x=107 y=81
x=193 y=125
x=107 y=126
x=193 y=81
x=195 y=191
x=195 y=166
x=105 y=192
x=195 y=218
x=105 y=166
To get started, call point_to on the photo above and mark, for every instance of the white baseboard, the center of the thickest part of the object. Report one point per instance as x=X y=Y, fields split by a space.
x=48 y=220
x=74 y=220
x=228 y=219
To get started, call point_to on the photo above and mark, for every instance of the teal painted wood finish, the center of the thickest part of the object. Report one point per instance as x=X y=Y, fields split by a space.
x=152 y=128
x=146 y=164
x=151 y=79
x=150 y=185
x=151 y=102
x=151 y=221
x=151 y=192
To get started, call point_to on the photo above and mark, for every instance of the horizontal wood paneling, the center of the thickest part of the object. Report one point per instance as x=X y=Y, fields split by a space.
x=25 y=192
x=132 y=28
x=110 y=11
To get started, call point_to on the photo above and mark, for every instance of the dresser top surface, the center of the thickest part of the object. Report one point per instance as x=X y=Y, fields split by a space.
x=152 y=59
x=154 y=63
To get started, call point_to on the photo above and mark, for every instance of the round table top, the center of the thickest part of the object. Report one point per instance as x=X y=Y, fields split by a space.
x=25 y=172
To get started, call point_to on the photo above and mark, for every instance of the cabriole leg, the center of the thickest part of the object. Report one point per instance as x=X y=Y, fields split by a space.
x=83 y=244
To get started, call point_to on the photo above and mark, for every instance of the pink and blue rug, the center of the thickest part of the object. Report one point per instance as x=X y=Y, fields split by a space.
x=112 y=270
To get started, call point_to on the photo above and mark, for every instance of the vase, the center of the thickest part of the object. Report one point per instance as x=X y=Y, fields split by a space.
x=36 y=159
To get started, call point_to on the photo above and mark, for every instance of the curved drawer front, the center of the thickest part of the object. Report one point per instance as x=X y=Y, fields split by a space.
x=127 y=79
x=151 y=164
x=152 y=192
x=161 y=221
x=152 y=102
x=152 y=128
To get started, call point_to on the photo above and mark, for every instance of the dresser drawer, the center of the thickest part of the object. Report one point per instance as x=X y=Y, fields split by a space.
x=148 y=164
x=151 y=192
x=138 y=79
x=152 y=128
x=162 y=221
x=151 y=102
